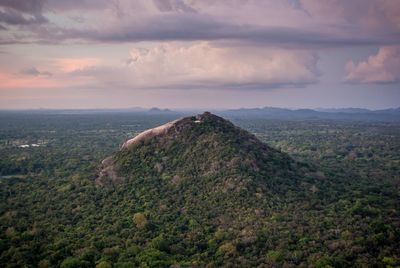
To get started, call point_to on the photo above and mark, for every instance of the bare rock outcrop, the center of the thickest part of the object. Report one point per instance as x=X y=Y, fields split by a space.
x=150 y=133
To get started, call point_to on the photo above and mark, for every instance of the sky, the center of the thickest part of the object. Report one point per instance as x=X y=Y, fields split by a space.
x=78 y=54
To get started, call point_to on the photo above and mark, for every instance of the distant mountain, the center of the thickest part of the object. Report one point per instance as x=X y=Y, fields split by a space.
x=389 y=111
x=271 y=112
x=158 y=110
x=339 y=114
x=343 y=110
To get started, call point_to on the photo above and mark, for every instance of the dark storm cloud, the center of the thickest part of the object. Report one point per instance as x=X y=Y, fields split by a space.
x=13 y=17
x=192 y=27
x=26 y=6
x=21 y=12
x=174 y=20
x=40 y=6
x=195 y=85
x=25 y=12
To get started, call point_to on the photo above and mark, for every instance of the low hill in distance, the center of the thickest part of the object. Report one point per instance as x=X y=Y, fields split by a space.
x=299 y=114
x=355 y=114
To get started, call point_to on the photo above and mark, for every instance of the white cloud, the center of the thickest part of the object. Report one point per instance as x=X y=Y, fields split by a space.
x=200 y=65
x=384 y=67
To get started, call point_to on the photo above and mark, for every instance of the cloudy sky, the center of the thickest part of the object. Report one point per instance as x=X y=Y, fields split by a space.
x=199 y=53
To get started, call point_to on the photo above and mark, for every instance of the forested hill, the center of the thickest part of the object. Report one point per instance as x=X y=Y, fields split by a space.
x=206 y=183
x=204 y=148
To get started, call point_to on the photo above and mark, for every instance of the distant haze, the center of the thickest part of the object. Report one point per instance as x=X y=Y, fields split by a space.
x=199 y=54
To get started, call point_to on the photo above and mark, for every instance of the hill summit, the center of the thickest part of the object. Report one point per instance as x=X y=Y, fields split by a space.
x=204 y=182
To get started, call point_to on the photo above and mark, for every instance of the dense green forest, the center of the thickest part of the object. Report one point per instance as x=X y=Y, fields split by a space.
x=334 y=201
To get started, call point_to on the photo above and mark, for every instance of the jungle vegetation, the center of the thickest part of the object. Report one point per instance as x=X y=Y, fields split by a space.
x=316 y=193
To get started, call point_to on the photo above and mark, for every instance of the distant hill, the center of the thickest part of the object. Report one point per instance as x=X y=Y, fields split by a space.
x=266 y=112
x=343 y=110
x=340 y=114
x=158 y=110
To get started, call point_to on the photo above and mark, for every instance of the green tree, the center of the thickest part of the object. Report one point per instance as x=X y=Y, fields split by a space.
x=104 y=264
x=140 y=220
